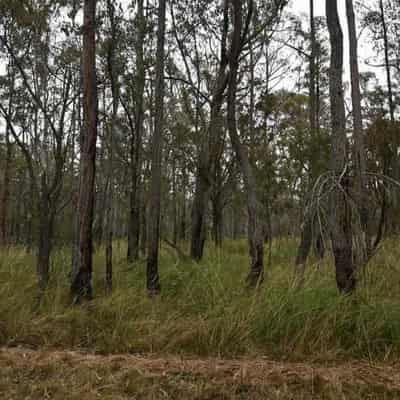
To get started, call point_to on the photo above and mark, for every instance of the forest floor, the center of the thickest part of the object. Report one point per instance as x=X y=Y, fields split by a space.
x=206 y=336
x=68 y=375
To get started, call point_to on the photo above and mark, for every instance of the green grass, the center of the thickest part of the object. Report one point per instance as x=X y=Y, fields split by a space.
x=205 y=310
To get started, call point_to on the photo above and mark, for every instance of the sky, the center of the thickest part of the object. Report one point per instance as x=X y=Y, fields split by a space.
x=364 y=49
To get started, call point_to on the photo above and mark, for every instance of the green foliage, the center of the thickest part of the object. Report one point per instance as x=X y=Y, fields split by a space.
x=205 y=310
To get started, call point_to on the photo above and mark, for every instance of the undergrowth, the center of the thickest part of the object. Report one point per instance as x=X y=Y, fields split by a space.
x=204 y=309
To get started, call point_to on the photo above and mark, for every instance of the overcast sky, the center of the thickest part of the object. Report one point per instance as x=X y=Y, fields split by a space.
x=364 y=49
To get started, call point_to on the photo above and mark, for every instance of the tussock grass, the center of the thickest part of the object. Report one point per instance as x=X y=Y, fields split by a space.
x=204 y=309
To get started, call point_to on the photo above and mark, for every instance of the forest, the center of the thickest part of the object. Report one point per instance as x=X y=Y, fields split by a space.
x=199 y=199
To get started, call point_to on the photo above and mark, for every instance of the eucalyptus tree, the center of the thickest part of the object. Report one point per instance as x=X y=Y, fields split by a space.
x=6 y=152
x=256 y=240
x=306 y=234
x=136 y=144
x=113 y=39
x=340 y=213
x=359 y=153
x=153 y=284
x=81 y=286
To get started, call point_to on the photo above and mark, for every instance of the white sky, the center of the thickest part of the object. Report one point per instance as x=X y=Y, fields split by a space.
x=364 y=49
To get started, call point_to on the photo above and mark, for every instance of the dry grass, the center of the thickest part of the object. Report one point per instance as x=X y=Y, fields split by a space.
x=68 y=375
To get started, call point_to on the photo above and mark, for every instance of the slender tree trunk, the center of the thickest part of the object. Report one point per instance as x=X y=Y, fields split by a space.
x=134 y=214
x=174 y=203
x=5 y=190
x=307 y=229
x=391 y=167
x=217 y=215
x=182 y=225
x=45 y=239
x=340 y=214
x=46 y=216
x=75 y=241
x=255 y=231
x=81 y=287
x=209 y=153
x=359 y=148
x=153 y=283
x=143 y=227
x=111 y=63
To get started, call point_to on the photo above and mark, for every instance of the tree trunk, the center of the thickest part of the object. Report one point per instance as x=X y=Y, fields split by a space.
x=391 y=165
x=217 y=214
x=209 y=153
x=143 y=227
x=307 y=229
x=81 y=287
x=5 y=191
x=153 y=283
x=136 y=150
x=340 y=214
x=174 y=203
x=255 y=230
x=110 y=213
x=5 y=187
x=182 y=225
x=45 y=234
x=359 y=148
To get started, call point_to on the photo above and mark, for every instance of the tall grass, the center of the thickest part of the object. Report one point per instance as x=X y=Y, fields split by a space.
x=204 y=309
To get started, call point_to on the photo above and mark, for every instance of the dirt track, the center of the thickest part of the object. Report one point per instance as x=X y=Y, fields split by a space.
x=45 y=374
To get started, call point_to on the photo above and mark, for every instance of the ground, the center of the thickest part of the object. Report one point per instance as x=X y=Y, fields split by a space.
x=70 y=375
x=206 y=336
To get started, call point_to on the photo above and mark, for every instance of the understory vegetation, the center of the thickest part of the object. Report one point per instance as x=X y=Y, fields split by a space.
x=204 y=309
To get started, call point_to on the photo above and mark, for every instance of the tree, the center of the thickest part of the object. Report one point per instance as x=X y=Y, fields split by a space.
x=255 y=230
x=136 y=141
x=81 y=287
x=307 y=231
x=358 y=135
x=153 y=284
x=6 y=178
x=208 y=156
x=340 y=213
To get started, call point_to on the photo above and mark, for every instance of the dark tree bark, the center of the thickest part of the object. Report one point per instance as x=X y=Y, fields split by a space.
x=217 y=217
x=153 y=282
x=113 y=75
x=46 y=215
x=5 y=187
x=81 y=287
x=340 y=214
